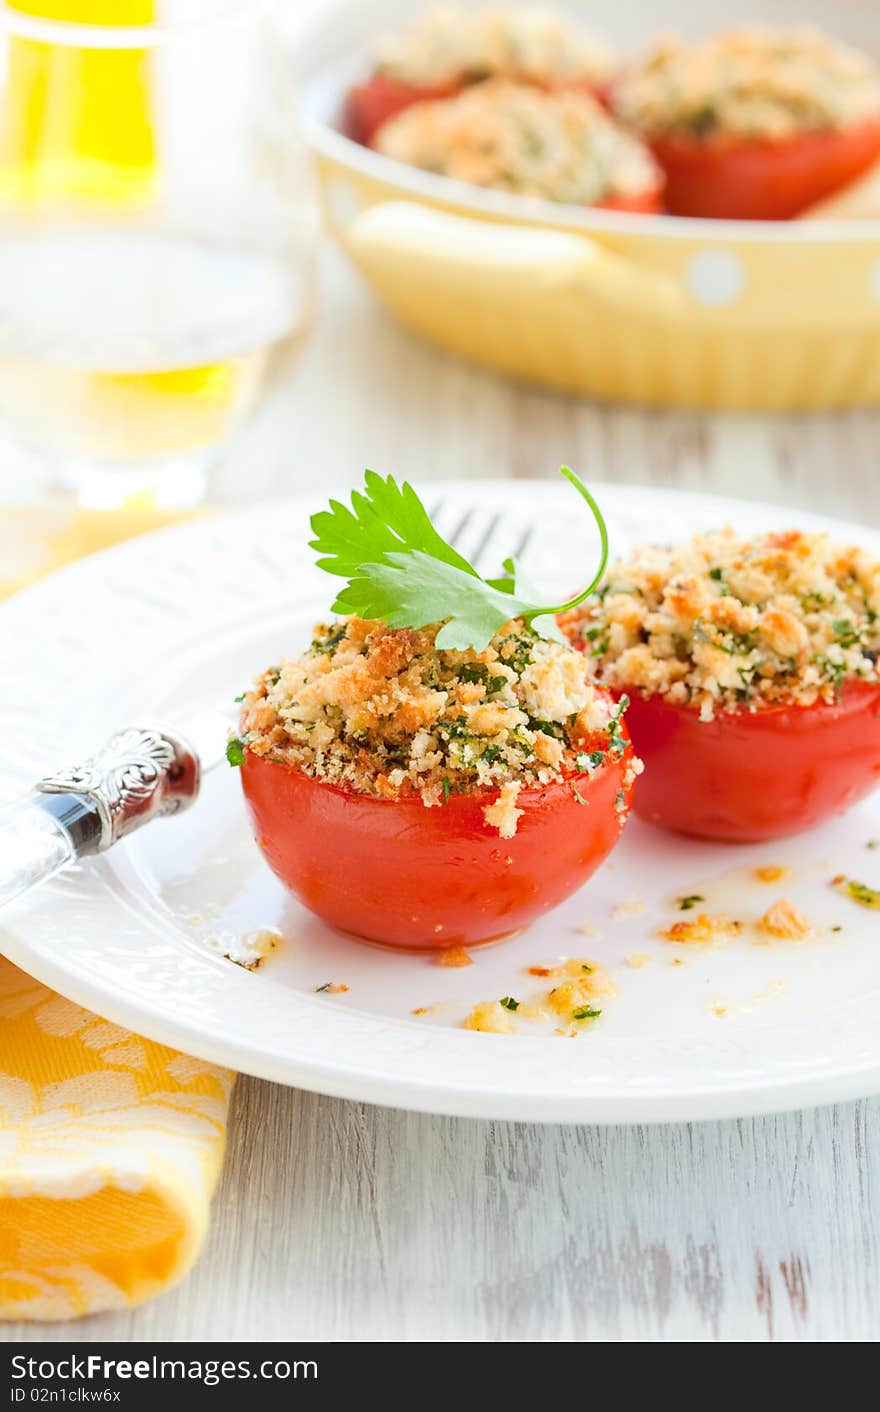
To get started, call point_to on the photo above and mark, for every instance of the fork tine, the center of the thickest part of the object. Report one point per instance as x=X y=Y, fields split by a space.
x=524 y=541
x=482 y=544
x=457 y=534
x=474 y=531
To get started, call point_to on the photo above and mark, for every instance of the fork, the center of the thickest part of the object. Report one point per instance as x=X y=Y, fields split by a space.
x=144 y=773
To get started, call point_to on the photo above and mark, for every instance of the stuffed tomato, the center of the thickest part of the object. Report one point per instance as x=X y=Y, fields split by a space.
x=423 y=798
x=751 y=670
x=450 y=48
x=559 y=146
x=754 y=124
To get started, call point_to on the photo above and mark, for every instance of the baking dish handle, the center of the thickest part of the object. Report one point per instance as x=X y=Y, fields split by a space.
x=413 y=239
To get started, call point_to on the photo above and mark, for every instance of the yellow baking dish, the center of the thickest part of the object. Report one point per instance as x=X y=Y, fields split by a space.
x=652 y=309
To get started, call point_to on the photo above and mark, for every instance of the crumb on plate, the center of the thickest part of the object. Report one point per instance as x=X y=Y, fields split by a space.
x=454 y=956
x=858 y=892
x=703 y=929
x=632 y=907
x=490 y=1017
x=248 y=950
x=581 y=984
x=771 y=873
x=783 y=921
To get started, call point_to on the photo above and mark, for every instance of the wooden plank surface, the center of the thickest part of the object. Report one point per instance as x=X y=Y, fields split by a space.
x=339 y=1221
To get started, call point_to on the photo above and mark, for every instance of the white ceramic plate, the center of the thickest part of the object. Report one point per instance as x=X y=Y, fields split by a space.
x=161 y=627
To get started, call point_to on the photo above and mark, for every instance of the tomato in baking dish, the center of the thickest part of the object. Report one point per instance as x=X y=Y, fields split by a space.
x=746 y=776
x=646 y=203
x=370 y=104
x=397 y=873
x=734 y=178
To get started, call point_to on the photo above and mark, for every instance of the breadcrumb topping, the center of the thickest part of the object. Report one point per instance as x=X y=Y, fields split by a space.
x=559 y=146
x=750 y=83
x=381 y=711
x=455 y=44
x=725 y=622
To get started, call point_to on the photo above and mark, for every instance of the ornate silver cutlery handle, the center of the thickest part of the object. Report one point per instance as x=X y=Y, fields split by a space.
x=139 y=775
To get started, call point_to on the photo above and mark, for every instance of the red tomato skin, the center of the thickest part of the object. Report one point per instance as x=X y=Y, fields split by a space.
x=646 y=203
x=370 y=104
x=396 y=873
x=735 y=179
x=746 y=777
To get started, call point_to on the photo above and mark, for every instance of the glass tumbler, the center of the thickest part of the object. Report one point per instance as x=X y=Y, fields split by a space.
x=157 y=230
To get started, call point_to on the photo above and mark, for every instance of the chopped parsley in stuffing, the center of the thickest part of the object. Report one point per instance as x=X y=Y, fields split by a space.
x=726 y=623
x=753 y=83
x=382 y=711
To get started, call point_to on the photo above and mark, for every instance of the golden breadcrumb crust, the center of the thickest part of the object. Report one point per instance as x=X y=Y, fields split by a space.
x=753 y=83
x=382 y=712
x=725 y=622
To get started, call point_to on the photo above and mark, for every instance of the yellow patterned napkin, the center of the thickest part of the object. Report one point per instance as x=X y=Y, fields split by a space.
x=110 y=1146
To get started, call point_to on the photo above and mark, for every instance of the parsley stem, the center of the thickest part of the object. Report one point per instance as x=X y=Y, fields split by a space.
x=603 y=537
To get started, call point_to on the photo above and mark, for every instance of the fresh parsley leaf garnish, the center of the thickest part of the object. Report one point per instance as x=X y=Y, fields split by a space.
x=400 y=570
x=235 y=751
x=385 y=518
x=509 y=1003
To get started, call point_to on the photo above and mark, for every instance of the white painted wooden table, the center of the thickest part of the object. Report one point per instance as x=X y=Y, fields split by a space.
x=339 y=1221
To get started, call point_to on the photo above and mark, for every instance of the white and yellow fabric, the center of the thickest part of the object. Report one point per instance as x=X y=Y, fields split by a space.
x=110 y=1146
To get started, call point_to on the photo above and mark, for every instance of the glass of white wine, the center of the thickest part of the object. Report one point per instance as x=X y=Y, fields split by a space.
x=157 y=230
